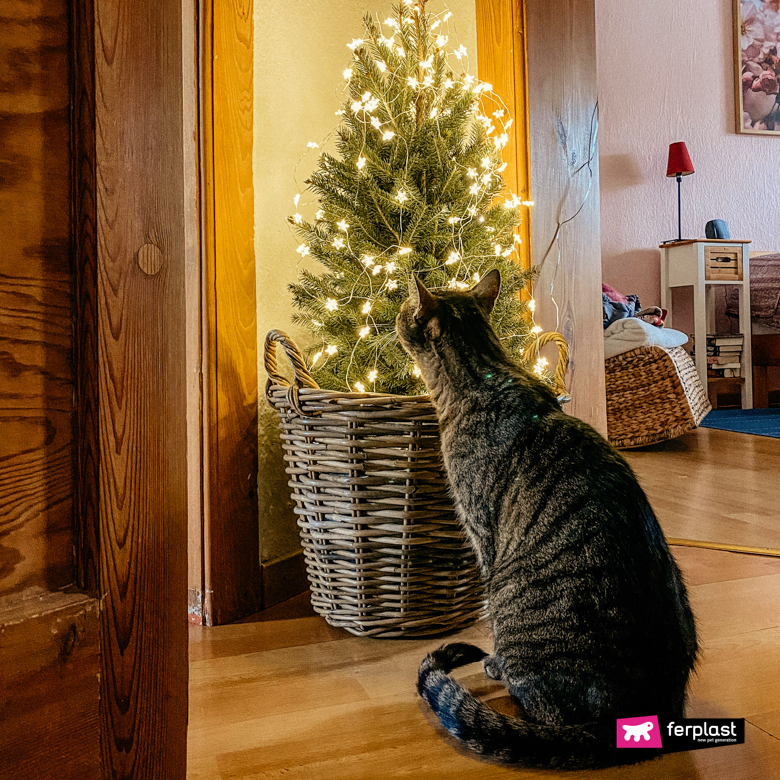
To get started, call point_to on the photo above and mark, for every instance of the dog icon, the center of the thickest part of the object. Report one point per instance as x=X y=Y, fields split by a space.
x=640 y=730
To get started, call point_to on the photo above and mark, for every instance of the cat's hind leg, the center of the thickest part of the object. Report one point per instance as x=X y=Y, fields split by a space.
x=559 y=699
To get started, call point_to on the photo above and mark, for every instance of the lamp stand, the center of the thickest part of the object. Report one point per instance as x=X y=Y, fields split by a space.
x=679 y=214
x=679 y=217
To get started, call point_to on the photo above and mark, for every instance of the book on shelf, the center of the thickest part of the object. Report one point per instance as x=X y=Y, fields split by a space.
x=725 y=340
x=721 y=361
x=733 y=372
x=722 y=339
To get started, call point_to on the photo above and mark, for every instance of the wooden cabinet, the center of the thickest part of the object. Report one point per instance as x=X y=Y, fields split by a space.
x=705 y=265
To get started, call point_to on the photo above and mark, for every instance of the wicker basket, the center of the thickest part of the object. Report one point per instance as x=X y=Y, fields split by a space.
x=384 y=552
x=653 y=394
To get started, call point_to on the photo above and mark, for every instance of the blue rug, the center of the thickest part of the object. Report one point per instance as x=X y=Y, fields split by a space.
x=759 y=422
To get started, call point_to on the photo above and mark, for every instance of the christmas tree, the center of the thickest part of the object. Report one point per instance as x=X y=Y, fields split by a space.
x=415 y=187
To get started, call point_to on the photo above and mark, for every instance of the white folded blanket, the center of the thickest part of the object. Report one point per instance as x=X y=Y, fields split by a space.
x=631 y=332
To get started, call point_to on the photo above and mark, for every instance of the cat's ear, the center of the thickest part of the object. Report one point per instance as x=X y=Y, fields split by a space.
x=486 y=290
x=425 y=304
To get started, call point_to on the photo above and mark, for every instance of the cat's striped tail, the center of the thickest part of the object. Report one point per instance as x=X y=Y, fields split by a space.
x=511 y=740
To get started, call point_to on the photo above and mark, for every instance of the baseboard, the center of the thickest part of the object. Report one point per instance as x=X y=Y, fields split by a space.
x=283 y=578
x=195 y=606
x=49 y=686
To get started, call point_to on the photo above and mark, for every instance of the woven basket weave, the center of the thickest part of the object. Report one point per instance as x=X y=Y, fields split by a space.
x=384 y=552
x=653 y=394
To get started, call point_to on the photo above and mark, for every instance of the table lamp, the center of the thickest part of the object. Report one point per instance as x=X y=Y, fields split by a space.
x=679 y=165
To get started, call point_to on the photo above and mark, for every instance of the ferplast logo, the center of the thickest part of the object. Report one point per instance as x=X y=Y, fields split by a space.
x=685 y=734
x=639 y=732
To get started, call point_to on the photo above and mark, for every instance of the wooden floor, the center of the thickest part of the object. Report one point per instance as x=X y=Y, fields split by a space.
x=286 y=696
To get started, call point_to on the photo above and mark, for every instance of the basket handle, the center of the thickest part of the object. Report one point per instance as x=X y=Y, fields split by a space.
x=563 y=360
x=301 y=375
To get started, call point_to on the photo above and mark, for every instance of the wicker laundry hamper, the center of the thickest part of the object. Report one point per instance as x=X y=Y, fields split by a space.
x=653 y=394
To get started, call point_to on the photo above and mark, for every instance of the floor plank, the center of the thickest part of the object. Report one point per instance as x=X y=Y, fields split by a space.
x=283 y=695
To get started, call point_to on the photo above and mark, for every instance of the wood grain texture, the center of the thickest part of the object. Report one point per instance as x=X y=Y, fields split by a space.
x=141 y=378
x=334 y=707
x=712 y=485
x=36 y=299
x=562 y=99
x=84 y=211
x=193 y=270
x=231 y=546
x=501 y=61
x=49 y=683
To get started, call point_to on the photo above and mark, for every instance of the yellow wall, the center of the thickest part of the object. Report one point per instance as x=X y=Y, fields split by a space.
x=300 y=53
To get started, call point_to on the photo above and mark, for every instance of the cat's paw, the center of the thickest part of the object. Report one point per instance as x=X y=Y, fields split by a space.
x=493 y=667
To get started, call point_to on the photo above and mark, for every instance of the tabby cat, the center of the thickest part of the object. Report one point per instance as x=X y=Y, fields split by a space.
x=590 y=615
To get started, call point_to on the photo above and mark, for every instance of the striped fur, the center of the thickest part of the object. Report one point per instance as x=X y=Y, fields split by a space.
x=591 y=620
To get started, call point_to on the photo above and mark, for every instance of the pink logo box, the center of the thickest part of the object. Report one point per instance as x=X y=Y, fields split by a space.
x=638 y=732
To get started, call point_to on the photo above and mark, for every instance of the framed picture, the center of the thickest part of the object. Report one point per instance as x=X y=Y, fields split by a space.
x=756 y=35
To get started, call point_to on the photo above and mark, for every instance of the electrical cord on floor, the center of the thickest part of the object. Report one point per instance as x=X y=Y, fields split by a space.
x=735 y=548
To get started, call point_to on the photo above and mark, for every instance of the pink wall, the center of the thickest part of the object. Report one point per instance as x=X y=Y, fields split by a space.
x=666 y=74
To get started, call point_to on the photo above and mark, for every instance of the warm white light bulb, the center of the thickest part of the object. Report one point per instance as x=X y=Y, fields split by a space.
x=332 y=349
x=316 y=357
x=342 y=225
x=331 y=304
x=405 y=250
x=453 y=258
x=367 y=260
x=347 y=73
x=355 y=43
x=387 y=135
x=297 y=219
x=498 y=249
x=366 y=307
x=474 y=189
x=389 y=267
x=364 y=332
x=381 y=65
x=453 y=220
x=392 y=284
x=297 y=199
x=338 y=243
x=532 y=305
x=361 y=162
x=314 y=144
x=372 y=375
x=536 y=329
x=360 y=387
x=302 y=250
x=416 y=371
x=402 y=197
x=412 y=82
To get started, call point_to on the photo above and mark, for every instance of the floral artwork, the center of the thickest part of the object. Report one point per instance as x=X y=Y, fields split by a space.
x=757 y=28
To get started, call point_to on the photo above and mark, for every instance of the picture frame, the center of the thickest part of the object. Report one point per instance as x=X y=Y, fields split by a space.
x=757 y=66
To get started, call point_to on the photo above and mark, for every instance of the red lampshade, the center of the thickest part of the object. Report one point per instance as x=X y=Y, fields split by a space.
x=679 y=160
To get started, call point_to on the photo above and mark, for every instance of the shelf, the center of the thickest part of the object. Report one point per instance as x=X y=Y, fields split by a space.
x=718 y=380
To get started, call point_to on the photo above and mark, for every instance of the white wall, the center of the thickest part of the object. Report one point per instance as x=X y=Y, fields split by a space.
x=666 y=73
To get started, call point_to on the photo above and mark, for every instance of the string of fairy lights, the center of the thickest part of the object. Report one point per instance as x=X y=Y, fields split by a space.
x=381 y=270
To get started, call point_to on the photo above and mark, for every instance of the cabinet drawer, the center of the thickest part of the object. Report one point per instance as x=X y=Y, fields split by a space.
x=722 y=265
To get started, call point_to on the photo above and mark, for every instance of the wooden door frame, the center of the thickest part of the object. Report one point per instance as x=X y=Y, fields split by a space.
x=227 y=579
x=131 y=196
